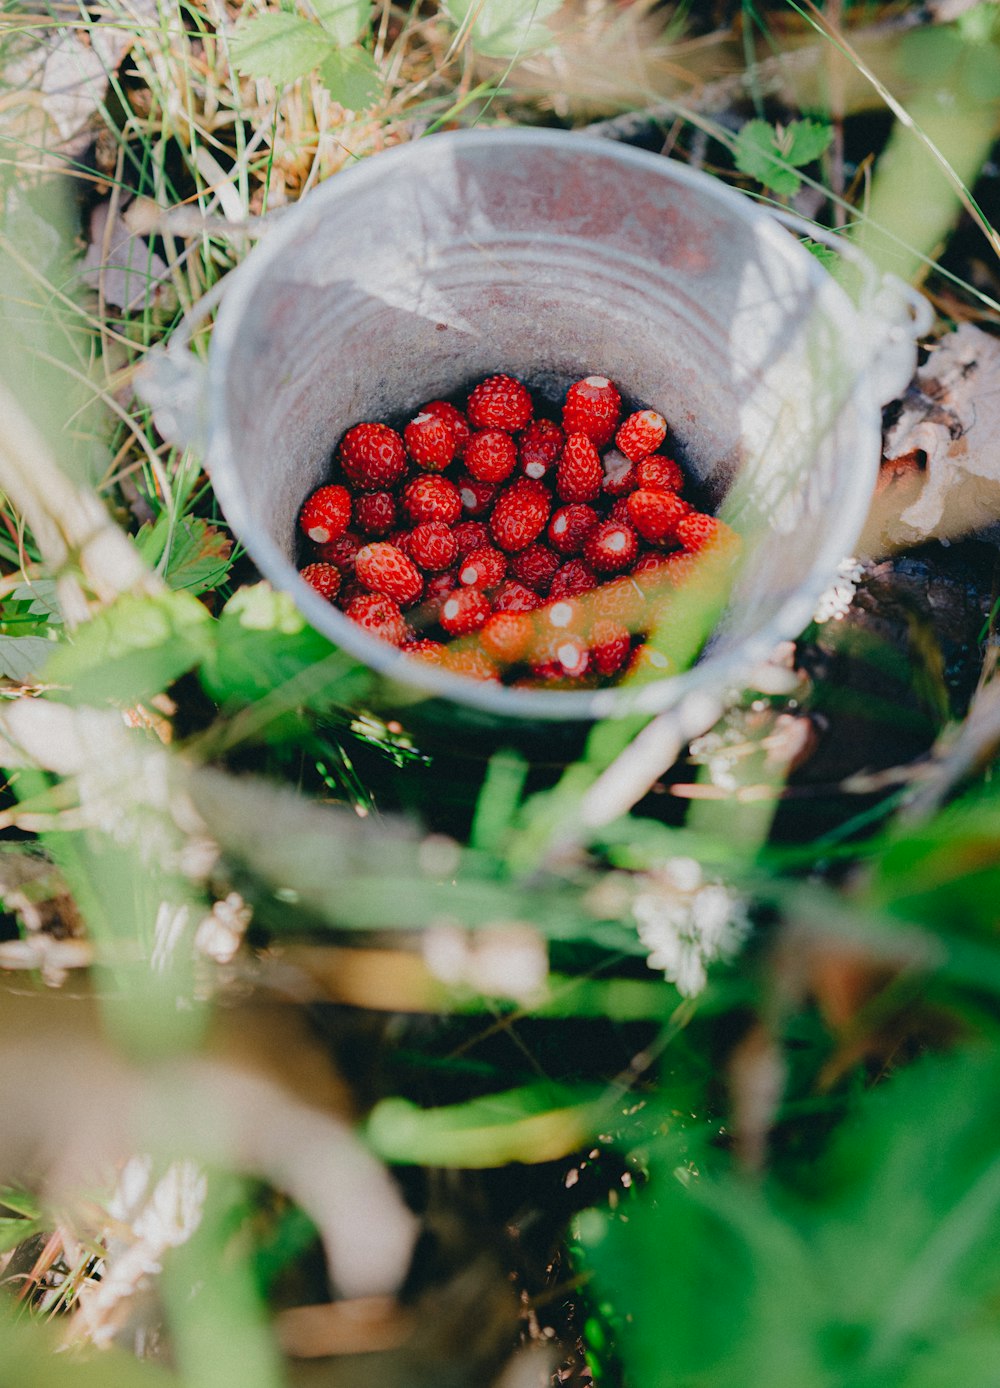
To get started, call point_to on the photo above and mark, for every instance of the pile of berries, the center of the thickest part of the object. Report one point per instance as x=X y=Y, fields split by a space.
x=501 y=544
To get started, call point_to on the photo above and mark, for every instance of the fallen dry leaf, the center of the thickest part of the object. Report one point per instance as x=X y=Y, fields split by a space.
x=121 y=264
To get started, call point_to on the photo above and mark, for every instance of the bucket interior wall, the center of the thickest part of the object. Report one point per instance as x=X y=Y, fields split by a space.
x=402 y=283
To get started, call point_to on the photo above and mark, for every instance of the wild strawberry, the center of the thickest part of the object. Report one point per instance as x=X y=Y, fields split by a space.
x=470 y=535
x=659 y=474
x=431 y=651
x=324 y=578
x=539 y=447
x=680 y=567
x=619 y=474
x=351 y=589
x=619 y=511
x=341 y=552
x=520 y=514
x=593 y=407
x=380 y=616
x=491 y=455
x=437 y=588
x=535 y=567
x=515 y=597
x=560 y=656
x=375 y=512
x=610 y=645
x=570 y=526
x=464 y=610
x=564 y=614
x=326 y=514
x=579 y=474
x=484 y=568
x=507 y=636
x=651 y=572
x=455 y=420
x=499 y=402
x=655 y=514
x=698 y=532
x=372 y=456
x=430 y=442
x=432 y=545
x=432 y=498
x=610 y=547
x=572 y=578
x=385 y=569
x=400 y=537
x=470 y=663
x=641 y=434
x=477 y=497
x=621 y=601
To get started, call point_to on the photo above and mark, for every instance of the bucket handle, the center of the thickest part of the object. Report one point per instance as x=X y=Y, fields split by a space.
x=174 y=382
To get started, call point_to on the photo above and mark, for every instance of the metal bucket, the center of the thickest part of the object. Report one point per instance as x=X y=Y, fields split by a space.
x=551 y=256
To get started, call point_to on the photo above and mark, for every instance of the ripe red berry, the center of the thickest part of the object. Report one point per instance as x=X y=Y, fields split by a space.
x=455 y=420
x=655 y=572
x=619 y=511
x=561 y=615
x=572 y=578
x=641 y=434
x=619 y=474
x=437 y=588
x=580 y=474
x=561 y=656
x=520 y=514
x=476 y=496
x=432 y=545
x=655 y=515
x=491 y=455
x=432 y=498
x=430 y=442
x=610 y=645
x=698 y=532
x=622 y=601
x=373 y=456
x=610 y=547
x=470 y=535
x=380 y=616
x=324 y=578
x=383 y=568
x=484 y=568
x=326 y=514
x=499 y=402
x=515 y=597
x=535 y=567
x=464 y=610
x=375 y=512
x=593 y=407
x=539 y=447
x=341 y=552
x=659 y=474
x=469 y=662
x=570 y=526
x=507 y=636
x=431 y=651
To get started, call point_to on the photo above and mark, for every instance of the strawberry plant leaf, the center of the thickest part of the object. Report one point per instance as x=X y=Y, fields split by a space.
x=350 y=77
x=805 y=140
x=344 y=20
x=282 y=47
x=198 y=557
x=21 y=657
x=765 y=152
x=505 y=28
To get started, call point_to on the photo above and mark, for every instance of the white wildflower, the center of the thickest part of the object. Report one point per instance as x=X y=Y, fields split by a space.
x=501 y=961
x=220 y=932
x=687 y=923
x=836 y=601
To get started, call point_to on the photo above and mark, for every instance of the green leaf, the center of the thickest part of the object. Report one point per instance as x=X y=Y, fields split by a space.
x=282 y=47
x=344 y=20
x=766 y=152
x=805 y=140
x=505 y=28
x=39 y=598
x=350 y=77
x=198 y=557
x=21 y=657
x=131 y=650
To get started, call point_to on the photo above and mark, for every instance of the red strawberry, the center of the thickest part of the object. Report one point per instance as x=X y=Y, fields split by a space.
x=622 y=600
x=380 y=616
x=341 y=552
x=679 y=567
x=515 y=597
x=580 y=474
x=430 y=441
x=484 y=568
x=437 y=588
x=499 y=402
x=655 y=515
x=326 y=514
x=520 y=514
x=375 y=512
x=572 y=578
x=561 y=656
x=372 y=456
x=470 y=535
x=385 y=569
x=619 y=474
x=324 y=578
x=455 y=420
x=593 y=407
x=507 y=636
x=564 y=614
x=619 y=511
x=659 y=474
x=432 y=545
x=432 y=498
x=539 y=447
x=476 y=496
x=651 y=572
x=470 y=663
x=431 y=651
x=464 y=610
x=641 y=434
x=491 y=456
x=610 y=547
x=699 y=532
x=570 y=526
x=535 y=567
x=610 y=644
